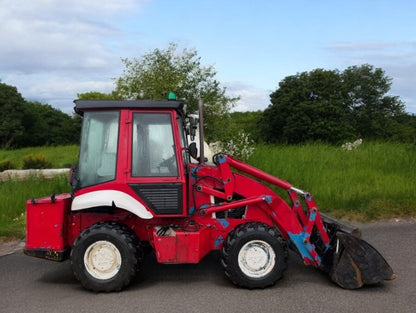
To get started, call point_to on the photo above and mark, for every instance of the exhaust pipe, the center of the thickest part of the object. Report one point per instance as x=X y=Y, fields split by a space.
x=201 y=132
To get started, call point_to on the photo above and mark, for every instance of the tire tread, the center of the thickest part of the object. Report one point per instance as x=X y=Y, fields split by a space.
x=115 y=231
x=236 y=238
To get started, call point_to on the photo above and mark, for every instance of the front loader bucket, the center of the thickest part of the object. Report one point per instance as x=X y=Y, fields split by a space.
x=356 y=263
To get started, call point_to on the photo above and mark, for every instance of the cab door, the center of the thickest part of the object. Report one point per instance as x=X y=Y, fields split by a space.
x=157 y=173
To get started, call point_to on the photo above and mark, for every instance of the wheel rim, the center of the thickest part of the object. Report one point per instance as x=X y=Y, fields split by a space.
x=256 y=258
x=102 y=260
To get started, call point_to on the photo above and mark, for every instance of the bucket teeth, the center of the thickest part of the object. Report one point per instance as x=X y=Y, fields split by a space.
x=357 y=263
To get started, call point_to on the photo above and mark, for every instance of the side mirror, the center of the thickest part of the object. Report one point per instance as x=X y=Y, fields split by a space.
x=193 y=150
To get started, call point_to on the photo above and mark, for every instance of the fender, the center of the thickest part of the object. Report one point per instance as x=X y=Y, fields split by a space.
x=107 y=198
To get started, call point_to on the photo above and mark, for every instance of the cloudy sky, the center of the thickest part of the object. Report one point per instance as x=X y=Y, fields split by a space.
x=51 y=50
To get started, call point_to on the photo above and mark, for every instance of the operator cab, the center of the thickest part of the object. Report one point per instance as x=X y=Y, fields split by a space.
x=136 y=143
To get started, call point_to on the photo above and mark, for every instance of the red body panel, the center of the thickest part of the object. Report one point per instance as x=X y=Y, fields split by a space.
x=182 y=246
x=47 y=225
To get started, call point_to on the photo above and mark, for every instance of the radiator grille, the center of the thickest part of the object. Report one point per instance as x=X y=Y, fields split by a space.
x=161 y=198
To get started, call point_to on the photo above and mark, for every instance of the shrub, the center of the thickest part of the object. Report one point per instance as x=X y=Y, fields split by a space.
x=6 y=165
x=352 y=145
x=36 y=161
x=240 y=146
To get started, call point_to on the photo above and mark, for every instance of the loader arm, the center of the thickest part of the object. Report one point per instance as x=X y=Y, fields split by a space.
x=321 y=241
x=294 y=223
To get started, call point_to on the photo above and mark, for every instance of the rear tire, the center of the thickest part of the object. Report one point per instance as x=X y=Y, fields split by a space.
x=254 y=255
x=106 y=257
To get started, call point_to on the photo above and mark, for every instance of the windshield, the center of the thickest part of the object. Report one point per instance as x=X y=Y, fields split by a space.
x=98 y=151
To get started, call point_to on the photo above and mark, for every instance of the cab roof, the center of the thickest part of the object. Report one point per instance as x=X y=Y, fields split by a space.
x=83 y=105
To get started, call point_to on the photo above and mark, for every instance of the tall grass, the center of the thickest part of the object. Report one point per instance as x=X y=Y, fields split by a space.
x=376 y=180
x=59 y=156
x=13 y=194
x=13 y=197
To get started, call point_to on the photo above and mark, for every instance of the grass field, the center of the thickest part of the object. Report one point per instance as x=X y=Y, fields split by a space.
x=59 y=156
x=13 y=194
x=374 y=181
x=13 y=197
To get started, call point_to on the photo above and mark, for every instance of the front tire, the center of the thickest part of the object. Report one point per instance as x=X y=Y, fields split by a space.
x=254 y=255
x=106 y=257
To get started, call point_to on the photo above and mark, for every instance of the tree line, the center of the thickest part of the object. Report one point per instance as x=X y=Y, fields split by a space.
x=333 y=106
x=28 y=124
x=320 y=105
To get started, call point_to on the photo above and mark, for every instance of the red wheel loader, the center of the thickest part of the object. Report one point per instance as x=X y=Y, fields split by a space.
x=136 y=188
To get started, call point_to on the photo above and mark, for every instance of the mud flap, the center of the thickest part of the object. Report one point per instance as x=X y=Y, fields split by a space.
x=357 y=263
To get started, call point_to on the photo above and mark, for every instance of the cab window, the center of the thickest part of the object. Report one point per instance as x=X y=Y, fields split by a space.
x=153 y=149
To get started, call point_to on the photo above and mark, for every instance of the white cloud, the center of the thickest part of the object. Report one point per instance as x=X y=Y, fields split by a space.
x=53 y=49
x=362 y=46
x=60 y=92
x=251 y=98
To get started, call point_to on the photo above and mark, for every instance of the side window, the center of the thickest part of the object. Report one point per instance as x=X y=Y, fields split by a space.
x=98 y=152
x=153 y=150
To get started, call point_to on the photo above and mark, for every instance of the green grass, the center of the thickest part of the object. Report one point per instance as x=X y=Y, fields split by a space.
x=13 y=197
x=374 y=181
x=59 y=156
x=13 y=194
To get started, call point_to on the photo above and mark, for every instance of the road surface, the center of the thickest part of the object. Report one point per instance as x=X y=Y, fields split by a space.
x=34 y=285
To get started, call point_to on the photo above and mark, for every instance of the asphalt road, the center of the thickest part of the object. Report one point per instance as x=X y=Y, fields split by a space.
x=33 y=285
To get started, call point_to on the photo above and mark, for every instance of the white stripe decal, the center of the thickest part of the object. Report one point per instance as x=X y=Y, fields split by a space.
x=106 y=198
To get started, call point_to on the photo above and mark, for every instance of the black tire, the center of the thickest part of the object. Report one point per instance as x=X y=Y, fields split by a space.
x=106 y=257
x=254 y=255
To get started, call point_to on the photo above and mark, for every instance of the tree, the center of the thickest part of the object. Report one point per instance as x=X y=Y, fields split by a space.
x=95 y=95
x=248 y=123
x=374 y=114
x=45 y=125
x=333 y=106
x=307 y=107
x=11 y=112
x=159 y=72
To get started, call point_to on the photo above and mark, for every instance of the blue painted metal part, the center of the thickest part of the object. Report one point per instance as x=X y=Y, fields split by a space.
x=304 y=249
x=267 y=198
x=224 y=223
x=221 y=158
x=218 y=242
x=194 y=172
x=312 y=217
